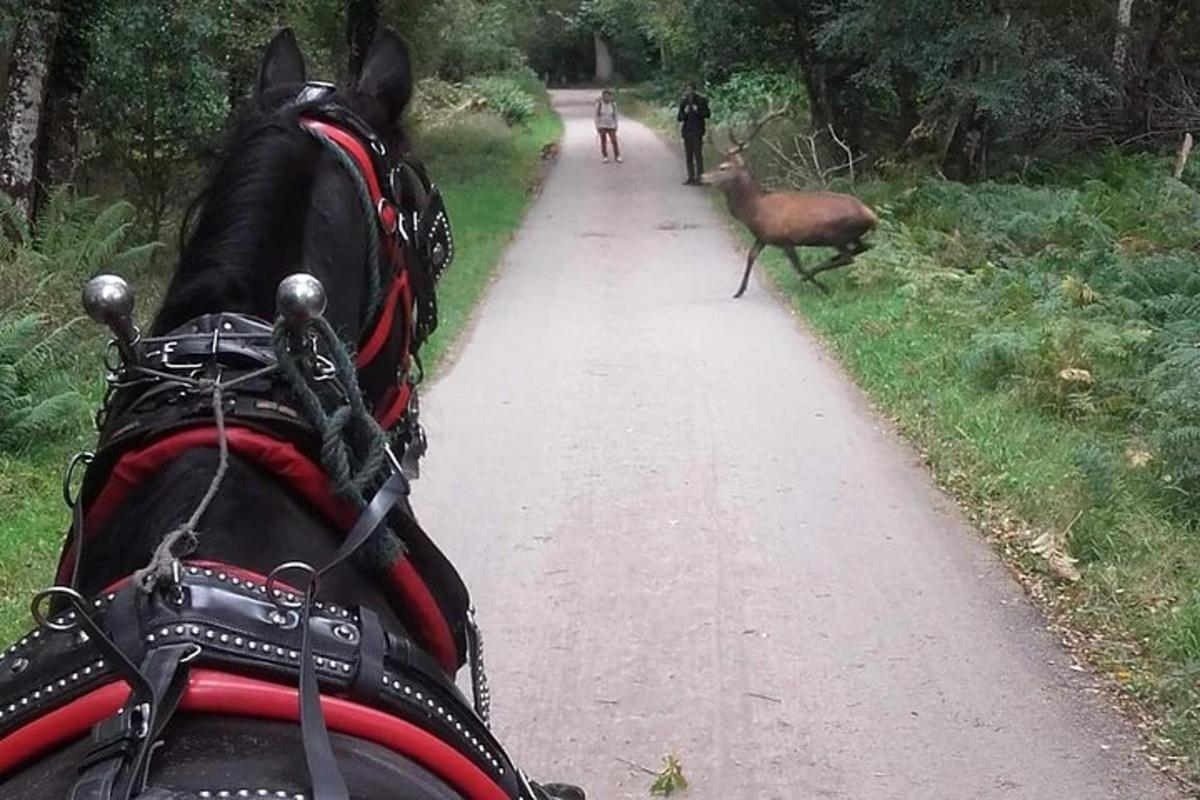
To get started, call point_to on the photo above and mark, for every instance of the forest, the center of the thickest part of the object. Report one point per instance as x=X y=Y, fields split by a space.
x=1029 y=316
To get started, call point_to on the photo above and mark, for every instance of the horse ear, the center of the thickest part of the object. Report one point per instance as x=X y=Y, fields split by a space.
x=283 y=63
x=387 y=73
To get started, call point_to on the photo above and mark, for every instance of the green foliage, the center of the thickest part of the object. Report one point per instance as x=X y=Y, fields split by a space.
x=505 y=95
x=36 y=402
x=993 y=356
x=670 y=779
x=73 y=239
x=1102 y=474
x=1080 y=301
x=1009 y=65
x=624 y=24
x=1174 y=408
x=745 y=94
x=471 y=37
x=158 y=94
x=974 y=87
x=77 y=236
x=42 y=268
x=482 y=135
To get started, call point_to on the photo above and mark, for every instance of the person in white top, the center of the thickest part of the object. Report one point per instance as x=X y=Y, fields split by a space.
x=606 y=125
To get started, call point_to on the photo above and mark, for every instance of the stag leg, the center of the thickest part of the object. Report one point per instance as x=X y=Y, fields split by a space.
x=858 y=247
x=795 y=259
x=846 y=254
x=754 y=251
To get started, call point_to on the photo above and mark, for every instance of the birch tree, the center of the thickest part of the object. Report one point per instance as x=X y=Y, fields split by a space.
x=1121 y=45
x=29 y=66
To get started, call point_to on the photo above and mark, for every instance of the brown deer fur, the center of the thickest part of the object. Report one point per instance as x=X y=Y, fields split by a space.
x=788 y=220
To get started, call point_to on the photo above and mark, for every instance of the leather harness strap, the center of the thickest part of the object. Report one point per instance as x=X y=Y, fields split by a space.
x=216 y=692
x=326 y=779
x=234 y=618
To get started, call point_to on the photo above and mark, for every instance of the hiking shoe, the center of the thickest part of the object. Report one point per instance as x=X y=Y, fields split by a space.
x=618 y=159
x=606 y=159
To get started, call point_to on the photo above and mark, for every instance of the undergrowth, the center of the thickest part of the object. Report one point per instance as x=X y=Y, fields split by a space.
x=1039 y=341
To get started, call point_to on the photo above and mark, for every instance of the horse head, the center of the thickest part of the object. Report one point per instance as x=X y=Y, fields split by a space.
x=242 y=444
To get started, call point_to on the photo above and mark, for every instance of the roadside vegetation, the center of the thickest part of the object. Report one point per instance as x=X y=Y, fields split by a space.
x=1030 y=321
x=481 y=132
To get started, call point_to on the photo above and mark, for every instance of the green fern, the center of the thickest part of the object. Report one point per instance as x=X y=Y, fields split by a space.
x=1175 y=408
x=76 y=237
x=35 y=401
x=992 y=357
x=41 y=270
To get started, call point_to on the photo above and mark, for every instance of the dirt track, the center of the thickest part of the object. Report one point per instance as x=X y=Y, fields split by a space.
x=686 y=531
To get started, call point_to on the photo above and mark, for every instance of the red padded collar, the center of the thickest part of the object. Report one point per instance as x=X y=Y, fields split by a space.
x=213 y=692
x=285 y=461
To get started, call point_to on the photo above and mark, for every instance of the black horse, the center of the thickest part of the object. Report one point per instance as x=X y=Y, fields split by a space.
x=184 y=673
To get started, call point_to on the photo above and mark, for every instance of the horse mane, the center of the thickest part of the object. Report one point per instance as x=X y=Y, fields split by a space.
x=241 y=233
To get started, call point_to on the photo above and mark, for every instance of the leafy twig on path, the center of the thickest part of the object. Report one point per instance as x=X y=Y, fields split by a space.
x=671 y=779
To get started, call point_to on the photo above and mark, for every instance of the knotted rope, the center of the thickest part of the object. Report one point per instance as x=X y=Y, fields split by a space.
x=353 y=445
x=162 y=563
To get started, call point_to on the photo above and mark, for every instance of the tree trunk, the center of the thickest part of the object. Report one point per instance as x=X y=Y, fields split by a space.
x=907 y=87
x=33 y=47
x=604 y=63
x=1121 y=45
x=362 y=20
x=59 y=137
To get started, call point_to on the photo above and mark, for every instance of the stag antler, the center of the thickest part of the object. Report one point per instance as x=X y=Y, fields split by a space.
x=772 y=113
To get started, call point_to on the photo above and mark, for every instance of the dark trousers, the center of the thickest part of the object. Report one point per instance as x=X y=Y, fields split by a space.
x=693 y=151
x=609 y=135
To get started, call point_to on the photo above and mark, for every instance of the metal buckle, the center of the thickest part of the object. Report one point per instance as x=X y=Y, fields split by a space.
x=141 y=720
x=313 y=91
x=287 y=620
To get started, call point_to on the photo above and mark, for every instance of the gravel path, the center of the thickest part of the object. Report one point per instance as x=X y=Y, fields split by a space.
x=686 y=531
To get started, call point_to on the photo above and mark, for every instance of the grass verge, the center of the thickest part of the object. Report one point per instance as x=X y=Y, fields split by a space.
x=488 y=173
x=488 y=184
x=1040 y=345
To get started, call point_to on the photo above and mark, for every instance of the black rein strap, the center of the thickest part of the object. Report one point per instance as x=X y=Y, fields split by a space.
x=324 y=775
x=116 y=766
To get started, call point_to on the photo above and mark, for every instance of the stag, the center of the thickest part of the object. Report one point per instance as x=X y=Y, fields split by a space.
x=788 y=220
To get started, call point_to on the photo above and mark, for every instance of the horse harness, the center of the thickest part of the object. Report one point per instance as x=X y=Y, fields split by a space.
x=218 y=639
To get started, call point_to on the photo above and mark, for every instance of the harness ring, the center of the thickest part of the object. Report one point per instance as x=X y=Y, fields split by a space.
x=35 y=608
x=281 y=598
x=84 y=457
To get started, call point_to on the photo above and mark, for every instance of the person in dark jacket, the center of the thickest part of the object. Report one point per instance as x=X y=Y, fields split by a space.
x=693 y=111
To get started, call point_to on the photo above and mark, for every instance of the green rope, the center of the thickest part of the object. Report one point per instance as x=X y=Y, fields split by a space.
x=374 y=298
x=353 y=446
